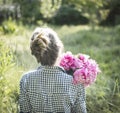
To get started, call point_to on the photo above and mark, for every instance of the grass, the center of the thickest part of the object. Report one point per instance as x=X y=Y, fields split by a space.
x=102 y=44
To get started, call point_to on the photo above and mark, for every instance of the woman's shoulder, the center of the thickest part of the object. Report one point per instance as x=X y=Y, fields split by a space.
x=28 y=74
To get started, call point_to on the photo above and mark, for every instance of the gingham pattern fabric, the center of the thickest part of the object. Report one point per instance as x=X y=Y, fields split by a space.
x=50 y=90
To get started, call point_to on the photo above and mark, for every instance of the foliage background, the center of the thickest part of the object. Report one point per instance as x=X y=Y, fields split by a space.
x=87 y=26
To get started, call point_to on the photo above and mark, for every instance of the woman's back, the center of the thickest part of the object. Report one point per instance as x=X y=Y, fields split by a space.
x=49 y=89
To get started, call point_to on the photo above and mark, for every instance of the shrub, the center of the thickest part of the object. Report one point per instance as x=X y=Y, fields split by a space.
x=8 y=27
x=67 y=14
x=7 y=102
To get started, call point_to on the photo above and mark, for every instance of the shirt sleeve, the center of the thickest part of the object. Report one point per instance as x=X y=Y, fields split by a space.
x=23 y=97
x=80 y=103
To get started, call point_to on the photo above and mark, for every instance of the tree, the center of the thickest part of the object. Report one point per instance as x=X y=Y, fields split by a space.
x=90 y=9
x=48 y=8
x=30 y=10
x=113 y=17
x=97 y=11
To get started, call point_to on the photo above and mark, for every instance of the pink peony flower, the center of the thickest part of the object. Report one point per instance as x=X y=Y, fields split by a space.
x=83 y=57
x=78 y=63
x=85 y=70
x=67 y=61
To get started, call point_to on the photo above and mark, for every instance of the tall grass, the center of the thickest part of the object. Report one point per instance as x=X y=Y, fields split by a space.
x=102 y=44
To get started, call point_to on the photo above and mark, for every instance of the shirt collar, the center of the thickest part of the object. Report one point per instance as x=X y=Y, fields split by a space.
x=51 y=67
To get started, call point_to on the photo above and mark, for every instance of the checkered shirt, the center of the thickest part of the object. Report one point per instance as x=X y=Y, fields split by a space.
x=50 y=90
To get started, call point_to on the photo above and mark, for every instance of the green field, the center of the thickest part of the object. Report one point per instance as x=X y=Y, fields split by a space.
x=102 y=44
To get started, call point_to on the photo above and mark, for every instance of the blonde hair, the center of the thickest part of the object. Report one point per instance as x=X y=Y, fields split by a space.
x=45 y=46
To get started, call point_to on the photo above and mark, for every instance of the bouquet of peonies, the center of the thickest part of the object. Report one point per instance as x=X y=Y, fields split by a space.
x=83 y=69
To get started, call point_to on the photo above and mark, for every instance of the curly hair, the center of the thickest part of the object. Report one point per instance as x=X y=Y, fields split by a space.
x=45 y=46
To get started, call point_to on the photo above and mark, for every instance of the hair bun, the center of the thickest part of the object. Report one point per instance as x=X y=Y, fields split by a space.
x=39 y=43
x=42 y=40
